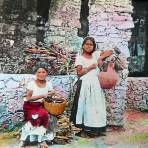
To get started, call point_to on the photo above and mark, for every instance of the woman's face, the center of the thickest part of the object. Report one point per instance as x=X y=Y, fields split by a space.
x=41 y=74
x=88 y=46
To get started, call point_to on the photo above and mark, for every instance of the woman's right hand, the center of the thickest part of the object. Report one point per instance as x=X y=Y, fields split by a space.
x=82 y=71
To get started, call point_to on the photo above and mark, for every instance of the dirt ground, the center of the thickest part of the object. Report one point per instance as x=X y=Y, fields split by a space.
x=134 y=136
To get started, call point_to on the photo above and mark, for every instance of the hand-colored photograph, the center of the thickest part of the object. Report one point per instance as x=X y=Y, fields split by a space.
x=73 y=73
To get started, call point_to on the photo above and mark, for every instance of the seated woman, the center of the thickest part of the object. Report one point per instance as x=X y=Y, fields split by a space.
x=36 y=117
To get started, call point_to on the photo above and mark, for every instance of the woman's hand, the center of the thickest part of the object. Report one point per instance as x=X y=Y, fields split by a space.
x=82 y=71
x=100 y=61
x=106 y=53
x=51 y=93
x=29 y=96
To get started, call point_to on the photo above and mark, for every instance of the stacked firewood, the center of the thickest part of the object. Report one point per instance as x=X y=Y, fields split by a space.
x=61 y=124
x=59 y=60
x=65 y=130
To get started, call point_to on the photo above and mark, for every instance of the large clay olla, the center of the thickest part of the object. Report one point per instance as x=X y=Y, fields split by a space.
x=109 y=78
x=108 y=81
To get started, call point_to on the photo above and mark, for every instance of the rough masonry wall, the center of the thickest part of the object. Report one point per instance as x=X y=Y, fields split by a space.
x=64 y=24
x=17 y=32
x=110 y=22
x=137 y=93
x=12 y=92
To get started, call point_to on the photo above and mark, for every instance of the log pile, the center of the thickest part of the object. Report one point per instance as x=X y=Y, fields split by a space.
x=65 y=130
x=59 y=60
x=61 y=125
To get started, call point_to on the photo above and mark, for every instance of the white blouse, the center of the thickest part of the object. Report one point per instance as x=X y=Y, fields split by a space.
x=80 y=60
x=37 y=91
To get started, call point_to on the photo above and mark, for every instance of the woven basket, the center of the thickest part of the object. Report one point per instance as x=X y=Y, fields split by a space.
x=55 y=108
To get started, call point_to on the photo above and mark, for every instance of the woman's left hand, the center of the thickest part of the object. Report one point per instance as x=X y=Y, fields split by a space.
x=51 y=93
x=100 y=61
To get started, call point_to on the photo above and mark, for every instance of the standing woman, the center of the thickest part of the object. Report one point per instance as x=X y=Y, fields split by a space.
x=89 y=111
x=36 y=117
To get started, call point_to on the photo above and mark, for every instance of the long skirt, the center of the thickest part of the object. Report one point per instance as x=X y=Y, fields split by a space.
x=89 y=110
x=36 y=118
x=35 y=113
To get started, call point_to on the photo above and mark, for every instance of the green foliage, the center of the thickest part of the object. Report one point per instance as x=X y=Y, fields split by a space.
x=139 y=137
x=67 y=67
x=12 y=127
x=144 y=122
x=143 y=109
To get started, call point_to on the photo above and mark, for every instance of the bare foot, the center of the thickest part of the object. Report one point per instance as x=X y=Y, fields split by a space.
x=44 y=145
x=85 y=135
x=82 y=134
x=21 y=144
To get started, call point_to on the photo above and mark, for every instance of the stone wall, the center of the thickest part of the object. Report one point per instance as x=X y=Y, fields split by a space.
x=64 y=24
x=12 y=92
x=110 y=23
x=17 y=32
x=137 y=93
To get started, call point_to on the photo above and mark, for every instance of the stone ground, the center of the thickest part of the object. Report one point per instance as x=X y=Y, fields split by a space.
x=134 y=136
